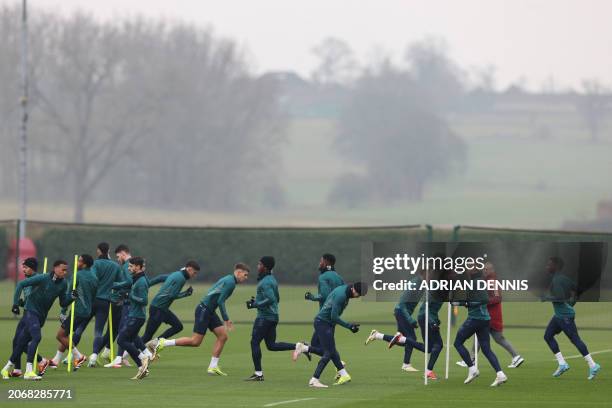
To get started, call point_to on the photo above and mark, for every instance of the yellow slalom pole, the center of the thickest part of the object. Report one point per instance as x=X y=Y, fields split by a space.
x=36 y=355
x=110 y=331
x=74 y=281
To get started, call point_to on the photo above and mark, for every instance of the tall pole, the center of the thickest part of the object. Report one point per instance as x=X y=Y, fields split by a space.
x=23 y=147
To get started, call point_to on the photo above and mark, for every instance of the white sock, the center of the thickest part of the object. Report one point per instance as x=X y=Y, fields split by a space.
x=342 y=372
x=29 y=368
x=117 y=360
x=589 y=360
x=76 y=353
x=501 y=374
x=214 y=361
x=170 y=343
x=427 y=372
x=93 y=357
x=126 y=354
x=58 y=357
x=147 y=353
x=379 y=336
x=402 y=340
x=472 y=369
x=259 y=373
x=404 y=365
x=560 y=358
x=142 y=355
x=8 y=365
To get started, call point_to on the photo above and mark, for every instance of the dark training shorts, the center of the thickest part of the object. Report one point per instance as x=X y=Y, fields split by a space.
x=78 y=323
x=205 y=319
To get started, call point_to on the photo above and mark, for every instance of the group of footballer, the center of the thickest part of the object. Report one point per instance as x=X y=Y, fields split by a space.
x=115 y=295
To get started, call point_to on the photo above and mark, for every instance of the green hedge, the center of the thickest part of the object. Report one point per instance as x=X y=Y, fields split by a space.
x=297 y=251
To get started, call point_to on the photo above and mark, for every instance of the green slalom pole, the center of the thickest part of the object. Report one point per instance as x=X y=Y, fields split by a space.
x=110 y=331
x=74 y=281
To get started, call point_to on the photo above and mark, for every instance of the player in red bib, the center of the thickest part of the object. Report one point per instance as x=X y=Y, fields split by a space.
x=496 y=323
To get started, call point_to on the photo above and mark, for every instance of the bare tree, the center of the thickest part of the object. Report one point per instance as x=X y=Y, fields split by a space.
x=336 y=62
x=393 y=128
x=145 y=112
x=220 y=131
x=90 y=103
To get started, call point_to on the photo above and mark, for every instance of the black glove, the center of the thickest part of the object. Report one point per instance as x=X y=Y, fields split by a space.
x=21 y=303
x=435 y=327
x=415 y=325
x=354 y=327
x=308 y=296
x=74 y=294
x=189 y=291
x=15 y=309
x=250 y=304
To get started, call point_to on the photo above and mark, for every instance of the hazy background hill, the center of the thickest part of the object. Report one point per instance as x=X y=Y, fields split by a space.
x=160 y=122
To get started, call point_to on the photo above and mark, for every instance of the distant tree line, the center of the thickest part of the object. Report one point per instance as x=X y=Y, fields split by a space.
x=138 y=112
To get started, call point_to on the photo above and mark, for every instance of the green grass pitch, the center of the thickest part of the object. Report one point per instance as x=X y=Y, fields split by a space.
x=179 y=378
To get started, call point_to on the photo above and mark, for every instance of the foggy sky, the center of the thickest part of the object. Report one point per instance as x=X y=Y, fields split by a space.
x=567 y=39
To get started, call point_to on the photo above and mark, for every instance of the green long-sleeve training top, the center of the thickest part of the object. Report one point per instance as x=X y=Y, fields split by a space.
x=267 y=298
x=409 y=300
x=562 y=289
x=139 y=296
x=119 y=295
x=27 y=290
x=127 y=284
x=171 y=289
x=45 y=289
x=108 y=272
x=434 y=310
x=328 y=281
x=219 y=293
x=334 y=305
x=477 y=300
x=87 y=287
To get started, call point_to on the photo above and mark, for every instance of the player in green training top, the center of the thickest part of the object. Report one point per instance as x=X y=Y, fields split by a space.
x=128 y=337
x=159 y=311
x=435 y=343
x=108 y=272
x=206 y=318
x=87 y=285
x=120 y=306
x=28 y=267
x=563 y=297
x=264 y=327
x=325 y=328
x=405 y=324
x=329 y=280
x=121 y=290
x=45 y=289
x=477 y=324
